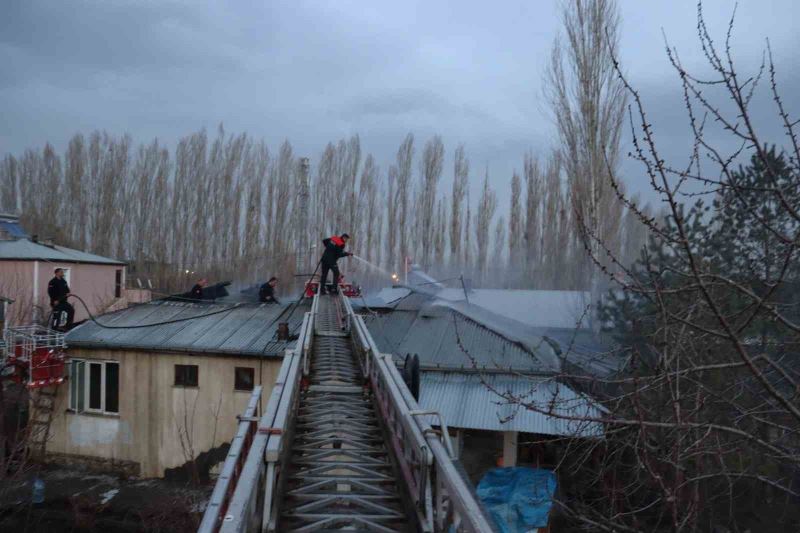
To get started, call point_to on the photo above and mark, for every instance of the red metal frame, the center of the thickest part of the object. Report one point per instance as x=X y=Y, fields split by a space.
x=348 y=289
x=37 y=355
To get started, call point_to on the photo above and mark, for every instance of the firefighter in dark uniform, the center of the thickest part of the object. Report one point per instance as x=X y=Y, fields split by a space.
x=266 y=294
x=334 y=250
x=197 y=291
x=58 y=291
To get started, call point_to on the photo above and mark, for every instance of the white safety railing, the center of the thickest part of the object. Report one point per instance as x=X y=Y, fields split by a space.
x=232 y=468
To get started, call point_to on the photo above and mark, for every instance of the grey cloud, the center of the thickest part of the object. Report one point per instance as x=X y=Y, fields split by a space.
x=314 y=72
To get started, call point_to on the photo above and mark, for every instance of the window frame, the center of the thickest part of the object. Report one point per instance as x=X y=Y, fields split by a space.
x=118 y=281
x=252 y=371
x=183 y=385
x=81 y=405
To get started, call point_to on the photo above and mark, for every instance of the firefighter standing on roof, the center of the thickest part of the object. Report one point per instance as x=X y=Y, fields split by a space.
x=334 y=250
x=58 y=291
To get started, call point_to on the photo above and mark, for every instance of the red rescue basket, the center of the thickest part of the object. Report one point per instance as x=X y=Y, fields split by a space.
x=37 y=356
x=348 y=289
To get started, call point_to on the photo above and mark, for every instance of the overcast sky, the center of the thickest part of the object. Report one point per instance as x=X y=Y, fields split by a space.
x=314 y=72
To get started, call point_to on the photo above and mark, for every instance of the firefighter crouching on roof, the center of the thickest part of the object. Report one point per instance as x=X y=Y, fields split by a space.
x=334 y=249
x=58 y=291
x=196 y=292
x=266 y=294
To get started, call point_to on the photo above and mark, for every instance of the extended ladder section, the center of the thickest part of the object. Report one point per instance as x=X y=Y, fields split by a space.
x=341 y=445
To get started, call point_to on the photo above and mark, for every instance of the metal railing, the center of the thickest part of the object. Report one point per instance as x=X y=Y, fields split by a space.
x=443 y=501
x=232 y=468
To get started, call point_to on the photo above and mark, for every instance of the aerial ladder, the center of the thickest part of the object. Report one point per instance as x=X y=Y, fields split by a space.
x=341 y=445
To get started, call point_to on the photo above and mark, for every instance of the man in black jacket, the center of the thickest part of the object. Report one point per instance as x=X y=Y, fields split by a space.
x=58 y=291
x=334 y=249
x=266 y=294
x=196 y=292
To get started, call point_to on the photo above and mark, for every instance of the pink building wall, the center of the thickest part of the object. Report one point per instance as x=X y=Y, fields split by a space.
x=95 y=284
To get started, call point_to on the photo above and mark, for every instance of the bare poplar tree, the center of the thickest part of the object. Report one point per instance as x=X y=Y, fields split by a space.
x=368 y=198
x=467 y=246
x=350 y=174
x=487 y=205
x=9 y=194
x=460 y=184
x=498 y=254
x=440 y=234
x=392 y=219
x=533 y=192
x=76 y=215
x=588 y=102
x=324 y=190
x=405 y=158
x=430 y=173
x=515 y=230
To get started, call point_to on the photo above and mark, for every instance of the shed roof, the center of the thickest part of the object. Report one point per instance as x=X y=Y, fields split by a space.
x=27 y=250
x=476 y=401
x=243 y=329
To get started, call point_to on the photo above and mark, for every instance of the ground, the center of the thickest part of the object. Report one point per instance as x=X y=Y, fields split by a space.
x=81 y=501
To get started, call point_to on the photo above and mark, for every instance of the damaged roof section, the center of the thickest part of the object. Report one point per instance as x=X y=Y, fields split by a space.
x=449 y=333
x=445 y=339
x=241 y=329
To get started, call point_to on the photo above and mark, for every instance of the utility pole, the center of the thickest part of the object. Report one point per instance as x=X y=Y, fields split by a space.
x=302 y=250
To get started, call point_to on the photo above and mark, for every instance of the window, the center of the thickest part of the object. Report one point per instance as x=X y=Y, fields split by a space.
x=94 y=386
x=186 y=375
x=118 y=285
x=244 y=378
x=67 y=275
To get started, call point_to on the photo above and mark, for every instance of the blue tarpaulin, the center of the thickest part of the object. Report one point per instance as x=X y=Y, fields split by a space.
x=519 y=499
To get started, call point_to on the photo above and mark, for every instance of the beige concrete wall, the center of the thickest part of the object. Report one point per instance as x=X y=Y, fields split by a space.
x=153 y=412
x=94 y=283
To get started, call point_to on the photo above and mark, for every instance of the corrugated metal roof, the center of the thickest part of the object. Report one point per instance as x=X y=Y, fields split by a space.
x=445 y=338
x=591 y=352
x=248 y=329
x=27 y=250
x=494 y=402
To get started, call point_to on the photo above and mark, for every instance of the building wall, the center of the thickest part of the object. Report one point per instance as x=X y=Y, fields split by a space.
x=94 y=283
x=16 y=282
x=153 y=412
